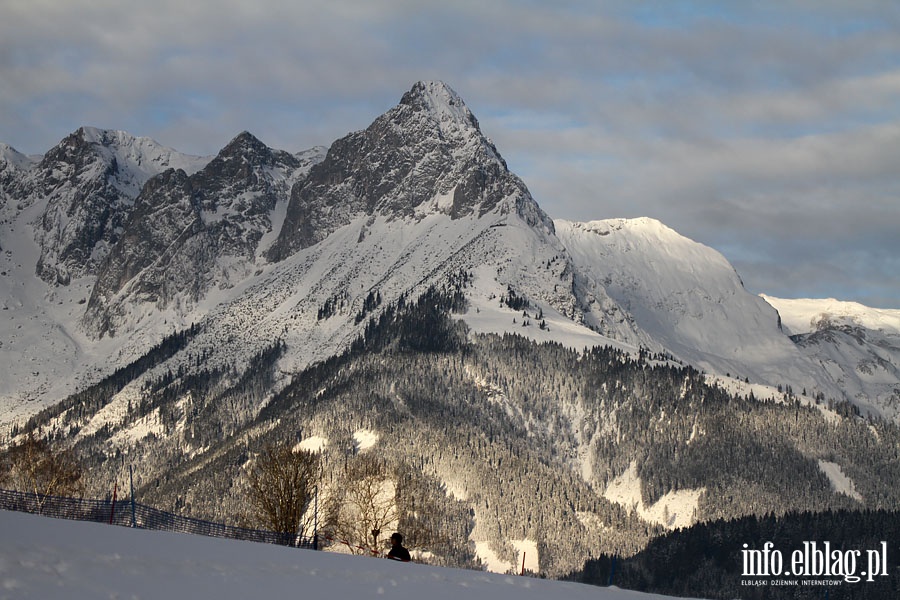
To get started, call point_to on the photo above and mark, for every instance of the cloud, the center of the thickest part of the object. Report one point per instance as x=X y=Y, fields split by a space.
x=757 y=128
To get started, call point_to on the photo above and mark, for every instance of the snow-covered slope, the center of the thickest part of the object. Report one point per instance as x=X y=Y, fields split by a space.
x=685 y=298
x=415 y=200
x=43 y=559
x=131 y=240
x=856 y=346
x=137 y=159
x=60 y=216
x=801 y=316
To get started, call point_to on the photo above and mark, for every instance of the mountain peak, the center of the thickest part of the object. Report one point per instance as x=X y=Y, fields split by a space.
x=427 y=147
x=105 y=137
x=245 y=148
x=242 y=142
x=15 y=159
x=244 y=159
x=142 y=157
x=438 y=100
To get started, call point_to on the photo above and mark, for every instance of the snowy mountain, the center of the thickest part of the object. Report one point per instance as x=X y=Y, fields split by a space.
x=687 y=300
x=181 y=311
x=438 y=199
x=87 y=184
x=134 y=239
x=425 y=156
x=801 y=317
x=684 y=297
x=59 y=216
x=188 y=233
x=858 y=346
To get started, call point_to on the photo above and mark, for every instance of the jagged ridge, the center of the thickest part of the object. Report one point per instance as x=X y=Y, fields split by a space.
x=430 y=145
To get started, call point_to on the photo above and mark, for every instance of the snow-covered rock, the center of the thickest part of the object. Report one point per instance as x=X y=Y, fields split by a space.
x=132 y=240
x=856 y=347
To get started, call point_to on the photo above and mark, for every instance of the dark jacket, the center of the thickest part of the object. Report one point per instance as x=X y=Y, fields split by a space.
x=400 y=553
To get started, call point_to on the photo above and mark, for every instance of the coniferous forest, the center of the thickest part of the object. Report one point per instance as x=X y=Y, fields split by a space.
x=706 y=560
x=495 y=439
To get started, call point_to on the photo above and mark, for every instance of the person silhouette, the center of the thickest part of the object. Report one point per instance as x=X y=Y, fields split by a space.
x=398 y=552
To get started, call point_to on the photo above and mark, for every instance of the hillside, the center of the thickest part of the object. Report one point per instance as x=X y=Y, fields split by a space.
x=506 y=442
x=400 y=304
x=131 y=241
x=44 y=559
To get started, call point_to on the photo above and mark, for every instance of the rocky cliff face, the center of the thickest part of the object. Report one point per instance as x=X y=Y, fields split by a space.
x=85 y=211
x=156 y=254
x=188 y=233
x=429 y=146
x=86 y=186
x=262 y=245
x=13 y=167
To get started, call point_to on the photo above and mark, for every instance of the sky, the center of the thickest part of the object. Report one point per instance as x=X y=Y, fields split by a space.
x=769 y=131
x=45 y=559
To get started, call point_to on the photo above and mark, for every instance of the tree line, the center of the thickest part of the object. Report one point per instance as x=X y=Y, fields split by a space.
x=706 y=560
x=489 y=438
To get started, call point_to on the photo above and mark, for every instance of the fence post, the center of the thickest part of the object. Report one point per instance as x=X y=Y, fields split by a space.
x=112 y=509
x=316 y=521
x=131 y=478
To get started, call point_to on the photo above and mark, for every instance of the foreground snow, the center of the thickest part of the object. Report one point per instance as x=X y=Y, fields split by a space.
x=52 y=558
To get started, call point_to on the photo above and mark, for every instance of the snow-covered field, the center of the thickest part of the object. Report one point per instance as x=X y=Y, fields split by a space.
x=45 y=558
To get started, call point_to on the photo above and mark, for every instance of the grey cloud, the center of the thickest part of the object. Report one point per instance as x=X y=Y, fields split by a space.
x=751 y=128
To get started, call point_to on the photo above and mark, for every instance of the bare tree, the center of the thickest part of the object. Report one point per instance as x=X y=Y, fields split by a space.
x=364 y=505
x=36 y=467
x=282 y=485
